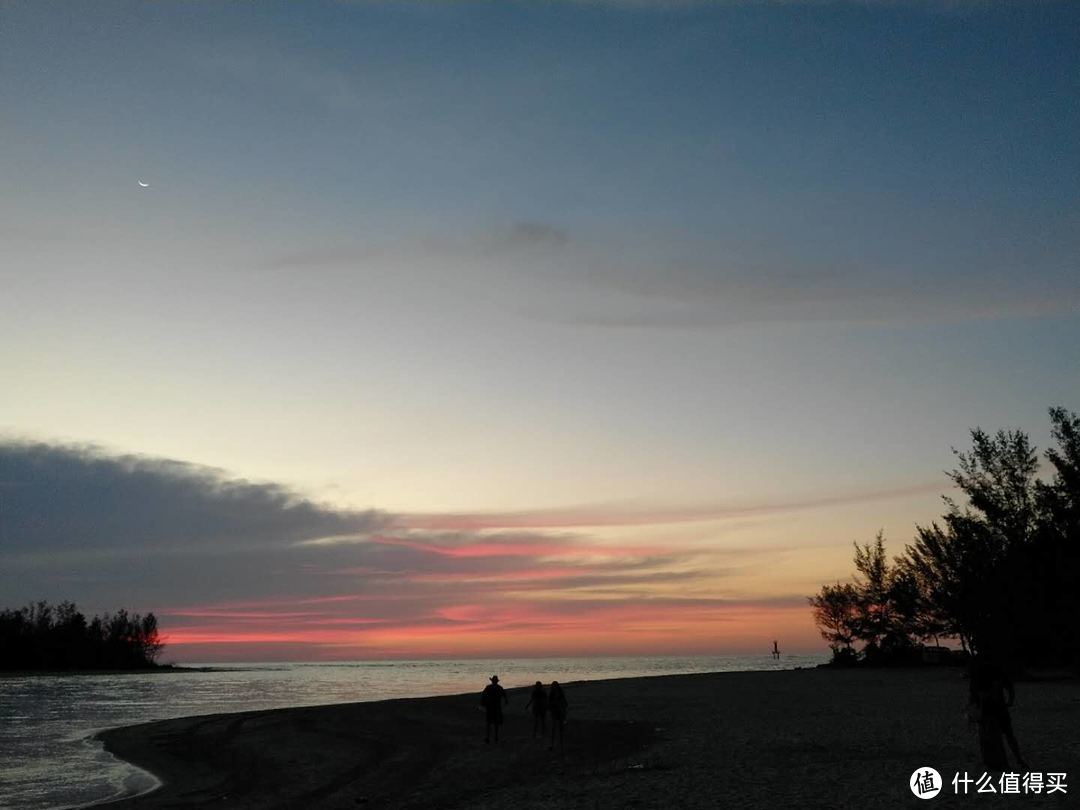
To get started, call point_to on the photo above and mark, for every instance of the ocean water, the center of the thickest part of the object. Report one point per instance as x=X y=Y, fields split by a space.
x=49 y=760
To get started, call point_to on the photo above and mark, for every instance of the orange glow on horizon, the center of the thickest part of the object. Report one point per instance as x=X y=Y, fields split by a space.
x=414 y=595
x=472 y=630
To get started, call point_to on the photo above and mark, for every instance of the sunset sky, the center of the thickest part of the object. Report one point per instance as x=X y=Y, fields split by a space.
x=515 y=328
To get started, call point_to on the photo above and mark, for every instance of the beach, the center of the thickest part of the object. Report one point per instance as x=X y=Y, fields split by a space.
x=803 y=738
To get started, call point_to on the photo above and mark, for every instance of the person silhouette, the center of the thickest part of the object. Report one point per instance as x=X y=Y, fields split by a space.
x=557 y=705
x=992 y=693
x=492 y=699
x=538 y=700
x=776 y=650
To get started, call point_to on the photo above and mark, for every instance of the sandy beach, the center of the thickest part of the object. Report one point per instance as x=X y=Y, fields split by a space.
x=807 y=738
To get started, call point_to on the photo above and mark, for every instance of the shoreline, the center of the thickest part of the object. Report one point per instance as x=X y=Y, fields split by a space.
x=166 y=750
x=124 y=793
x=164 y=669
x=806 y=738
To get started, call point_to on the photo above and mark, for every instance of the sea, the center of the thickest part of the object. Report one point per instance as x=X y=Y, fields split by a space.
x=49 y=759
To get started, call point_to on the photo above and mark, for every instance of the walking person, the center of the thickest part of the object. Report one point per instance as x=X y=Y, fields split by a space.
x=992 y=693
x=557 y=705
x=492 y=699
x=538 y=700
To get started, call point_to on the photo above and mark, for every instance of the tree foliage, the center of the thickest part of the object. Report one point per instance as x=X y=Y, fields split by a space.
x=1000 y=571
x=43 y=637
x=836 y=611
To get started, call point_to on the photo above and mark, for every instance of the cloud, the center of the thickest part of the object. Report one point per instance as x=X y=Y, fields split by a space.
x=235 y=568
x=420 y=251
x=636 y=515
x=514 y=628
x=77 y=521
x=78 y=498
x=651 y=280
x=677 y=295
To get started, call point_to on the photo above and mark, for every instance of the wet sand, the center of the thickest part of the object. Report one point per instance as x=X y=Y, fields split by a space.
x=802 y=739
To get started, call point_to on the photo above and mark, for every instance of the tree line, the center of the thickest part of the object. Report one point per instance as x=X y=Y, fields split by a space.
x=43 y=637
x=999 y=572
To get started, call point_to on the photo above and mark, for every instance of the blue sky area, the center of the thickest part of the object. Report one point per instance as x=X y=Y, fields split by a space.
x=508 y=258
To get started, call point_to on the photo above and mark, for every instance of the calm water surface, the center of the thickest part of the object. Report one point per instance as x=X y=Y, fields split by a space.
x=48 y=759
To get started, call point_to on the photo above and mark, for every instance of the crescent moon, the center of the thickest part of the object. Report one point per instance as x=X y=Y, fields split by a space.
x=143 y=185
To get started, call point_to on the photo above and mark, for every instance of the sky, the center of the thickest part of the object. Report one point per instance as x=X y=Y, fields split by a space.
x=450 y=329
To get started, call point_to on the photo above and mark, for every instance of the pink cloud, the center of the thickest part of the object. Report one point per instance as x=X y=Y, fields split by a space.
x=525 y=628
x=530 y=575
x=439 y=593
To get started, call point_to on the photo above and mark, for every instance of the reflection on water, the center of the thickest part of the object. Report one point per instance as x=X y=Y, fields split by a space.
x=47 y=759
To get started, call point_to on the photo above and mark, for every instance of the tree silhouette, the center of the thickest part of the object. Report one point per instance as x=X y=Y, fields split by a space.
x=1000 y=572
x=836 y=610
x=882 y=607
x=41 y=637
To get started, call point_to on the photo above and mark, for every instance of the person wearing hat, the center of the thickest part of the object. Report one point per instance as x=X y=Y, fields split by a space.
x=491 y=700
